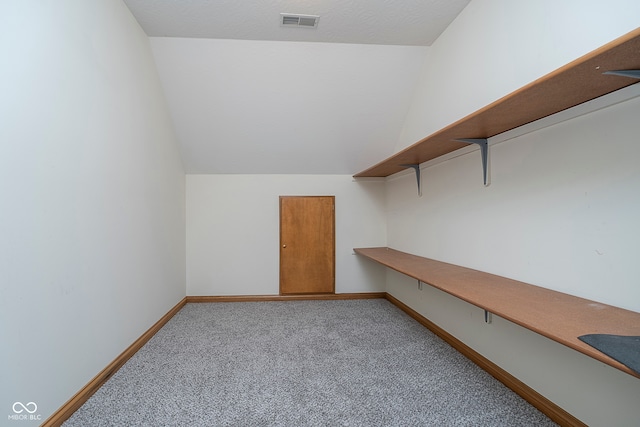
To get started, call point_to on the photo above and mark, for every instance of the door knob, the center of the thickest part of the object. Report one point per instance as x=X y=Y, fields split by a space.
x=284 y=246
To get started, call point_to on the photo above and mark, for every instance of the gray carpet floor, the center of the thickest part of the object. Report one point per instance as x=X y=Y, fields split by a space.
x=301 y=363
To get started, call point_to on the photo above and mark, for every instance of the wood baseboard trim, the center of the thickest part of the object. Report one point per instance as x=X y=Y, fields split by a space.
x=66 y=410
x=550 y=409
x=298 y=297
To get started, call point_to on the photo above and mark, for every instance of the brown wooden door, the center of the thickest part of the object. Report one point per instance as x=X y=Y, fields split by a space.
x=307 y=244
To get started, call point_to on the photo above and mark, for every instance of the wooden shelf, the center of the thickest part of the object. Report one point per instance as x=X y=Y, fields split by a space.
x=579 y=81
x=555 y=315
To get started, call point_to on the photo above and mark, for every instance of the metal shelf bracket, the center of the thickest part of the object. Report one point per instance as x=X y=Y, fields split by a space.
x=484 y=152
x=635 y=74
x=416 y=168
x=487 y=317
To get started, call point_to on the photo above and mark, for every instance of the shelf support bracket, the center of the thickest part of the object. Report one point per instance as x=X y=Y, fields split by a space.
x=484 y=152
x=487 y=317
x=416 y=168
x=635 y=74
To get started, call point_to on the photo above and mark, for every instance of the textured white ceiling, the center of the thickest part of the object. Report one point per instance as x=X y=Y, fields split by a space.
x=399 y=22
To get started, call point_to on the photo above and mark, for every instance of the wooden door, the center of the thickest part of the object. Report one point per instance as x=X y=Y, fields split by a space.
x=307 y=244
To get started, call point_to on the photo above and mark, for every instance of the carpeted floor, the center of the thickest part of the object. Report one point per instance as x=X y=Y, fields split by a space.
x=301 y=363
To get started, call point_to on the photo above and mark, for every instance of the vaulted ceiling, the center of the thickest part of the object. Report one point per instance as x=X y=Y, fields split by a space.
x=248 y=95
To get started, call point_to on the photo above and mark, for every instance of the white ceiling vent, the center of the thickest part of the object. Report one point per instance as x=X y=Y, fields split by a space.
x=297 y=20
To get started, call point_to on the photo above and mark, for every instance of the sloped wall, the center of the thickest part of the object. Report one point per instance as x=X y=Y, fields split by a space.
x=494 y=47
x=92 y=252
x=274 y=107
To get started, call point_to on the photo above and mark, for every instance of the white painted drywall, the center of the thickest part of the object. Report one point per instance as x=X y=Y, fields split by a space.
x=92 y=251
x=494 y=47
x=561 y=212
x=265 y=107
x=562 y=208
x=233 y=231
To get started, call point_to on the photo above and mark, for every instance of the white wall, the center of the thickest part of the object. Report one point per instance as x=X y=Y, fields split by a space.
x=494 y=47
x=233 y=231
x=561 y=212
x=562 y=208
x=301 y=108
x=92 y=191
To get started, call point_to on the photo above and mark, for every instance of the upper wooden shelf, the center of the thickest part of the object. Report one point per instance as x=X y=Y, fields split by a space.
x=555 y=315
x=579 y=81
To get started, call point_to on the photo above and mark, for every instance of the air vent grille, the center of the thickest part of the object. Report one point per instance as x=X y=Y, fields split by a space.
x=297 y=20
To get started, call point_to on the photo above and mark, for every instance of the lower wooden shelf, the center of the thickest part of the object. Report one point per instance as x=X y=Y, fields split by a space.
x=555 y=315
